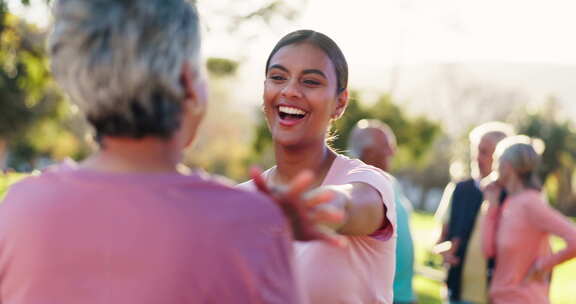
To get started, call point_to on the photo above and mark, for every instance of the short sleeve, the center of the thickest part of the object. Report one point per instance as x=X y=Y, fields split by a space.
x=383 y=183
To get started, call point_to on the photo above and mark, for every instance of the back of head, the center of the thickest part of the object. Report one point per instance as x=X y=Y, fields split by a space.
x=361 y=137
x=483 y=140
x=120 y=61
x=496 y=130
x=523 y=155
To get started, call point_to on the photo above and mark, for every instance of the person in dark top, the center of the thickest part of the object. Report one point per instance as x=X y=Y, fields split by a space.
x=460 y=211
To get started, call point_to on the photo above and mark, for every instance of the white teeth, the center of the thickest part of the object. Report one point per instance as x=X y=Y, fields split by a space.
x=290 y=110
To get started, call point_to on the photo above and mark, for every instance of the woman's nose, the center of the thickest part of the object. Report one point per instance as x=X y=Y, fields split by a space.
x=292 y=89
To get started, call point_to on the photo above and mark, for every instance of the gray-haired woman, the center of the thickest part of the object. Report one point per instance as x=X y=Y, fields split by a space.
x=125 y=226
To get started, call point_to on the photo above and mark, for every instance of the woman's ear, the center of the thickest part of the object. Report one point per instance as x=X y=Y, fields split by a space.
x=341 y=104
x=195 y=94
x=194 y=104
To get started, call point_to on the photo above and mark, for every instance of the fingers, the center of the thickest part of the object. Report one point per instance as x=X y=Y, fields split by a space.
x=259 y=180
x=455 y=244
x=301 y=183
x=315 y=198
x=531 y=276
x=328 y=215
x=443 y=248
x=300 y=207
x=454 y=261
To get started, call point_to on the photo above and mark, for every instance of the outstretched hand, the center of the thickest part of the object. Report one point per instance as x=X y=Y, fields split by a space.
x=305 y=210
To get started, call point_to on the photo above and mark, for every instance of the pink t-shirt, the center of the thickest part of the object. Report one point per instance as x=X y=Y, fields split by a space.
x=363 y=272
x=517 y=234
x=74 y=236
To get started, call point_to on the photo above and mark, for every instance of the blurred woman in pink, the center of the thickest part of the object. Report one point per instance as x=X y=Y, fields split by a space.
x=127 y=225
x=516 y=232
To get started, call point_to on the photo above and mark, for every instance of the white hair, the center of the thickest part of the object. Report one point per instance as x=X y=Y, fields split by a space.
x=496 y=129
x=120 y=60
x=359 y=139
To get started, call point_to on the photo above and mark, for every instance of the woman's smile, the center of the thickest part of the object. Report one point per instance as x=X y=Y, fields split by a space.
x=289 y=115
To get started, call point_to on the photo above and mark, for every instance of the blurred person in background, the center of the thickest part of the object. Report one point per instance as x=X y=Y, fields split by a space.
x=460 y=214
x=374 y=143
x=127 y=225
x=305 y=90
x=516 y=233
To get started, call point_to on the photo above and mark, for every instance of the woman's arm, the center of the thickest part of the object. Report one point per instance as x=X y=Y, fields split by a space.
x=547 y=219
x=363 y=208
x=491 y=194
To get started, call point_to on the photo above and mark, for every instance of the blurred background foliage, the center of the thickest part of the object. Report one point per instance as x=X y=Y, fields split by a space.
x=38 y=126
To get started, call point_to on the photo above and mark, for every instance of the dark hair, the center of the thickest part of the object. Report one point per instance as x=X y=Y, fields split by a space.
x=161 y=120
x=324 y=43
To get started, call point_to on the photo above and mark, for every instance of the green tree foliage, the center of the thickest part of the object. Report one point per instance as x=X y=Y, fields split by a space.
x=32 y=111
x=414 y=135
x=23 y=76
x=559 y=158
x=221 y=67
x=222 y=144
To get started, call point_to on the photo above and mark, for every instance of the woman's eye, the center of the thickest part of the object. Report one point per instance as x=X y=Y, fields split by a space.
x=277 y=77
x=311 y=82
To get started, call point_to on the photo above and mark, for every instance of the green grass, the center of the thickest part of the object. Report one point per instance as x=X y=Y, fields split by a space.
x=424 y=228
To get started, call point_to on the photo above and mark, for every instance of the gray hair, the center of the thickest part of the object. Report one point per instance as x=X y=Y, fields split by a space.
x=358 y=140
x=523 y=154
x=120 y=61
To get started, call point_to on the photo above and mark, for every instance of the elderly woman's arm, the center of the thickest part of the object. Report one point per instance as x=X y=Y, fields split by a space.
x=547 y=219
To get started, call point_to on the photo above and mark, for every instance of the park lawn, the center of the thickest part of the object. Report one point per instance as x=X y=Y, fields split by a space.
x=425 y=229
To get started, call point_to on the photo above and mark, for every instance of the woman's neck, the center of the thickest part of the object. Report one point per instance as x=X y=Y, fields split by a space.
x=292 y=161
x=514 y=187
x=148 y=155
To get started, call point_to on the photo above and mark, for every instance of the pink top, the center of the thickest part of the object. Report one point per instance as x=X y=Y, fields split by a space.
x=74 y=236
x=518 y=235
x=364 y=271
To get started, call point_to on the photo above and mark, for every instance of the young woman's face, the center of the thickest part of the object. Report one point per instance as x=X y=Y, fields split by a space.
x=300 y=95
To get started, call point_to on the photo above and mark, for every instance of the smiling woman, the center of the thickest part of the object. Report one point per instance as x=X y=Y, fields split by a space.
x=305 y=87
x=304 y=91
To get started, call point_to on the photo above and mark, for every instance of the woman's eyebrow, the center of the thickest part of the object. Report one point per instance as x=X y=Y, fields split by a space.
x=278 y=66
x=315 y=71
x=308 y=71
